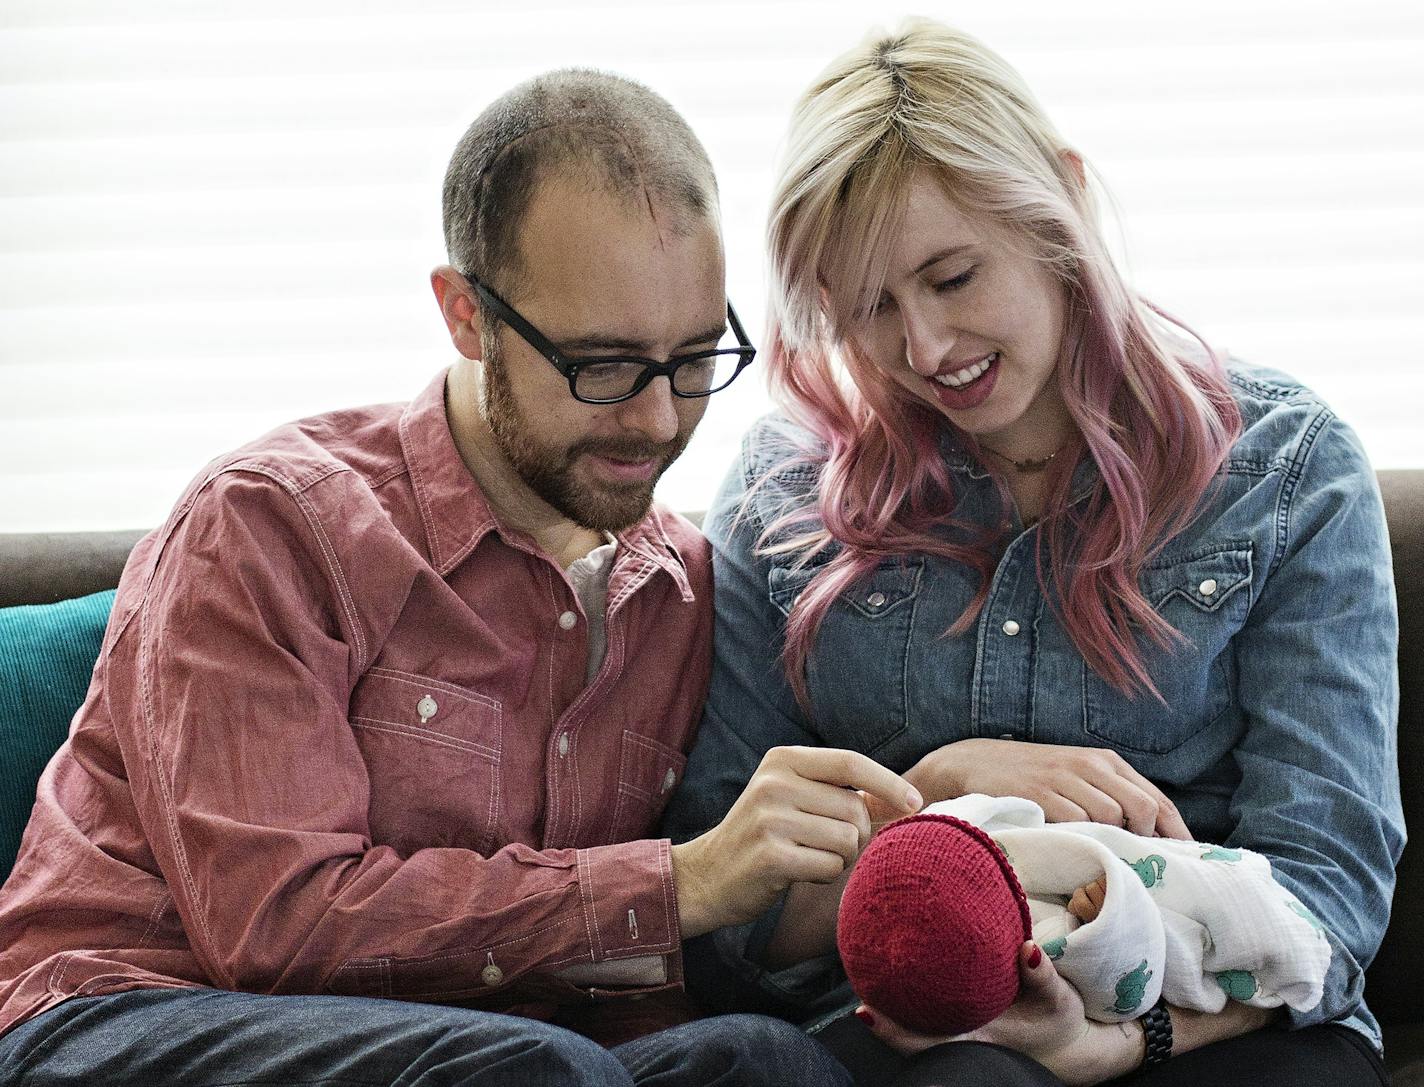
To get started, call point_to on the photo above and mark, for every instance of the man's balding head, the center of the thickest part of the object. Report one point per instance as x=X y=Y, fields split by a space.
x=598 y=129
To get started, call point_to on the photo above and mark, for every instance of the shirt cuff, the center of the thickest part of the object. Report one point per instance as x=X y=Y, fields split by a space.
x=630 y=901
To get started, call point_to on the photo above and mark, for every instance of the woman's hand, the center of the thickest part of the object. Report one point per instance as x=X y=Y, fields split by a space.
x=1046 y=1023
x=1070 y=784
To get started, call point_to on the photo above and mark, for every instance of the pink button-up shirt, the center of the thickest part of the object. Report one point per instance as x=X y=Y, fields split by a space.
x=339 y=741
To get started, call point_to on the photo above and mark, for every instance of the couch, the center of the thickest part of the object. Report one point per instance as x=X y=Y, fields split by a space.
x=47 y=567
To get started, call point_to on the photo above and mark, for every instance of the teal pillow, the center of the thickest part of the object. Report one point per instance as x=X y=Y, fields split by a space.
x=47 y=654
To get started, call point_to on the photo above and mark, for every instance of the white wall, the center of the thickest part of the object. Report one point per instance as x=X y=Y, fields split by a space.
x=217 y=216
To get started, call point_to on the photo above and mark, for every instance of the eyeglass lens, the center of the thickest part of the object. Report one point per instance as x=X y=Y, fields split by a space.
x=698 y=375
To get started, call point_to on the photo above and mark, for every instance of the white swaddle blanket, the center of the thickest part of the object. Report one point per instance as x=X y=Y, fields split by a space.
x=1193 y=922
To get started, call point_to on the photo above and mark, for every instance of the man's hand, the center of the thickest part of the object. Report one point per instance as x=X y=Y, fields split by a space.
x=801 y=818
x=1070 y=784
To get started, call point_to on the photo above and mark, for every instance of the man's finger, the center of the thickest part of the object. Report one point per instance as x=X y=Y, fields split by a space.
x=852 y=770
x=828 y=836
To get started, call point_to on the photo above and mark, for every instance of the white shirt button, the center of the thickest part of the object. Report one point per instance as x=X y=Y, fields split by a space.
x=1207 y=587
x=1010 y=627
x=669 y=780
x=568 y=620
x=876 y=600
x=563 y=743
x=427 y=708
x=492 y=974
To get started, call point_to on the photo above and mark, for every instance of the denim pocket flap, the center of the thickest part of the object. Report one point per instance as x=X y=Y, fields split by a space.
x=1206 y=578
x=784 y=585
x=887 y=588
x=877 y=594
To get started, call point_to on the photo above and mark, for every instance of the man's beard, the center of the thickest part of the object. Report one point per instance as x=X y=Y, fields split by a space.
x=549 y=471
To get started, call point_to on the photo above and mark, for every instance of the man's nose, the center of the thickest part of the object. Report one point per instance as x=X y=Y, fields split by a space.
x=653 y=412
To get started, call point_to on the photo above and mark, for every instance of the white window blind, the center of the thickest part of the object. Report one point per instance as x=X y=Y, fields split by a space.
x=215 y=217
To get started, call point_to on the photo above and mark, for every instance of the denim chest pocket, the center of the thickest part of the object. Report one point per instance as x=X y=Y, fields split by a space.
x=856 y=671
x=1205 y=595
x=432 y=753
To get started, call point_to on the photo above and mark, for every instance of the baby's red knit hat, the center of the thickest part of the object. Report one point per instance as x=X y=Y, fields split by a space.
x=931 y=924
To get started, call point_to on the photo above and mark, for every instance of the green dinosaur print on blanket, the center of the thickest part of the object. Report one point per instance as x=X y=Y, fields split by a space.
x=1221 y=853
x=1150 y=869
x=1131 y=988
x=1054 y=948
x=1237 y=984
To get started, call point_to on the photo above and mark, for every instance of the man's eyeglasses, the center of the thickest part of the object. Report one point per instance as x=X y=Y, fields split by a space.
x=607 y=379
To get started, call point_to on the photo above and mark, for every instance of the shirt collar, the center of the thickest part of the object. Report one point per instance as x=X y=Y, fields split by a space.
x=457 y=516
x=452 y=507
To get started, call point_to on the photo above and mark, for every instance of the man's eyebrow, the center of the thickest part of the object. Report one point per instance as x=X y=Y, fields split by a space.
x=598 y=342
x=941 y=254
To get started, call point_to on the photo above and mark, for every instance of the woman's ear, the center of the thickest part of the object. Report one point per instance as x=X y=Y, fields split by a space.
x=1074 y=162
x=460 y=310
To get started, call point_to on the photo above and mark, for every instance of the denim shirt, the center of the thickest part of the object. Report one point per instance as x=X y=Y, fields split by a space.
x=1278 y=728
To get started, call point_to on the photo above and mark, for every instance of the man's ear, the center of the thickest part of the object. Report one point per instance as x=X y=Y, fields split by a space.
x=460 y=310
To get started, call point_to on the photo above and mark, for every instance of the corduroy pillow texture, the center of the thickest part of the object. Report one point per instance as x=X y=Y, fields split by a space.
x=931 y=924
x=47 y=655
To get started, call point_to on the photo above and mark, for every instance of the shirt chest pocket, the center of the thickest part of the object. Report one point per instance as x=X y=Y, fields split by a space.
x=856 y=672
x=1205 y=596
x=648 y=771
x=432 y=753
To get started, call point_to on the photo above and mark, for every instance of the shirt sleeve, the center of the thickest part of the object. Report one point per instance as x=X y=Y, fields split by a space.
x=750 y=709
x=1317 y=660
x=253 y=793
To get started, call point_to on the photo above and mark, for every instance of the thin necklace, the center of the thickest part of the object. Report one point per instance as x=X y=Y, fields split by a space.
x=1029 y=464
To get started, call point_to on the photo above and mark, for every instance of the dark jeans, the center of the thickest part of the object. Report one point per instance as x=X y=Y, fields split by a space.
x=1326 y=1056
x=211 y=1038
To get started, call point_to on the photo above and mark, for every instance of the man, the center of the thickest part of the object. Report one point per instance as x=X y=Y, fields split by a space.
x=388 y=706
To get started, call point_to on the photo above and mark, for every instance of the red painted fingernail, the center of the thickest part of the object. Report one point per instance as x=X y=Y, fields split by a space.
x=1034 y=958
x=865 y=1017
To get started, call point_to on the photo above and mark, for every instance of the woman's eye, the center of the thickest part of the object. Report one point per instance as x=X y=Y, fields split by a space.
x=944 y=286
x=876 y=308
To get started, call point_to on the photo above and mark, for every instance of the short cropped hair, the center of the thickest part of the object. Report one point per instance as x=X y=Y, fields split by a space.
x=602 y=128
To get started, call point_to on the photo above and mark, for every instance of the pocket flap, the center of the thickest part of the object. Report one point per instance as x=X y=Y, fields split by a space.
x=428 y=710
x=648 y=769
x=878 y=593
x=1207 y=579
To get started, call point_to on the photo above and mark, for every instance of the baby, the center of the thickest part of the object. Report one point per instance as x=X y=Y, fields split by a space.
x=939 y=904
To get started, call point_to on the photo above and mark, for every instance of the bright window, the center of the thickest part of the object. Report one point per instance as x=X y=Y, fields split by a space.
x=215 y=217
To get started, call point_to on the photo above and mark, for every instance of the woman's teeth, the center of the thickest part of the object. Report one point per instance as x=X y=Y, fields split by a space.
x=969 y=373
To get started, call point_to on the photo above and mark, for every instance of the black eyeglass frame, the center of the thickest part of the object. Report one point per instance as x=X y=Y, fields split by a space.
x=569 y=365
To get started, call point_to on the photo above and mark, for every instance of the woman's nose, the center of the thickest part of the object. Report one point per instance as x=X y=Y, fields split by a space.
x=927 y=343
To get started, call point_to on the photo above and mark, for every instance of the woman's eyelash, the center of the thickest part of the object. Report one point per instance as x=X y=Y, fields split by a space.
x=956 y=282
x=944 y=286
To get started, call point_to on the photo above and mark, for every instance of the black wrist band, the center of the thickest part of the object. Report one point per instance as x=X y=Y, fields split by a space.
x=1157 y=1032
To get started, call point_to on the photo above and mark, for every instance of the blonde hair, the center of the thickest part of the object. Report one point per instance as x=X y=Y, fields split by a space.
x=1157 y=420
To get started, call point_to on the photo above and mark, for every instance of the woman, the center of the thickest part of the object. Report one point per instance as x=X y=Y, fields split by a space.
x=1016 y=532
